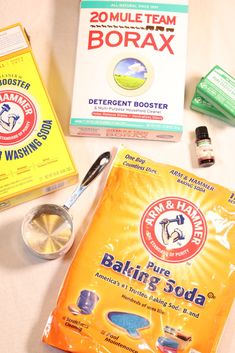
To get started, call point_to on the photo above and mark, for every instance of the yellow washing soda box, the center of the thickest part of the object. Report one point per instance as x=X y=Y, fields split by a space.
x=34 y=158
x=156 y=269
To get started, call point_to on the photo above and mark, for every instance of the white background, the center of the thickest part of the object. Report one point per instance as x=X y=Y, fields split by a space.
x=28 y=285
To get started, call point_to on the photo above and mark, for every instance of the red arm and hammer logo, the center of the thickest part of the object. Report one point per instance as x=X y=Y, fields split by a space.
x=18 y=117
x=173 y=229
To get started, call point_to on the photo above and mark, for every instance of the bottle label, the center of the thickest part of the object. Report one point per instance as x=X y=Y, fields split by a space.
x=204 y=150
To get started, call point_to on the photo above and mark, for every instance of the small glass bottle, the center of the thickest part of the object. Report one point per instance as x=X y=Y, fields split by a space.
x=204 y=150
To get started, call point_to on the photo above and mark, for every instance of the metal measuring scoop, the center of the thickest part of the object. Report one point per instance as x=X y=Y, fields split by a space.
x=47 y=229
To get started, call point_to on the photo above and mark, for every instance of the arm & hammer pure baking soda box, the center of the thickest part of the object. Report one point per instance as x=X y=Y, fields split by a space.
x=130 y=69
x=34 y=158
x=155 y=271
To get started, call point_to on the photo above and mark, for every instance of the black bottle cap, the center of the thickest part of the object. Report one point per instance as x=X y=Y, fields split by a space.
x=201 y=133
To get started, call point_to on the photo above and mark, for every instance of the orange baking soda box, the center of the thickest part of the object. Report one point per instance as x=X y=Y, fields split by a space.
x=155 y=270
x=34 y=158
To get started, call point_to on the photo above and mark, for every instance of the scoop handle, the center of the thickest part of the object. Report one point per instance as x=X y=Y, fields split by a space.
x=96 y=168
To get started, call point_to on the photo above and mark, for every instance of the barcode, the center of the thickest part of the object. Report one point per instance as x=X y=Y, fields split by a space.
x=54 y=187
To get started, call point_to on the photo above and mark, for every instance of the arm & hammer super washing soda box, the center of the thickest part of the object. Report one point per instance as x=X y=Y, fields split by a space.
x=34 y=158
x=130 y=69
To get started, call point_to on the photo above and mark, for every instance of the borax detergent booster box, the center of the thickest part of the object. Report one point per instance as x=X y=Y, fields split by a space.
x=34 y=158
x=130 y=69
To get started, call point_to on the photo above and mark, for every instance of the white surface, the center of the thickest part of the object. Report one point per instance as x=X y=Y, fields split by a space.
x=28 y=285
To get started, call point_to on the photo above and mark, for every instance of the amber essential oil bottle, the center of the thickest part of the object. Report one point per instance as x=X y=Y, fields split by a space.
x=204 y=150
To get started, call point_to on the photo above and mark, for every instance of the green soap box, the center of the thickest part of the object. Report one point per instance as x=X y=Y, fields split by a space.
x=201 y=105
x=218 y=88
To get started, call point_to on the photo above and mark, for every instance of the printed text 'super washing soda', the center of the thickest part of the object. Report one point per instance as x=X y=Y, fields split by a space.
x=155 y=271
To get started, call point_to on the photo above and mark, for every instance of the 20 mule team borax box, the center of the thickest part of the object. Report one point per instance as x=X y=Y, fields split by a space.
x=130 y=69
x=34 y=158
